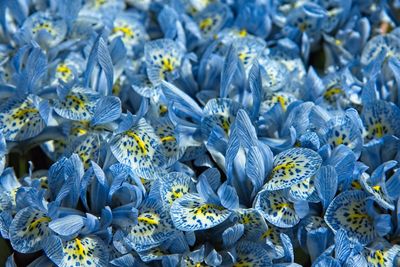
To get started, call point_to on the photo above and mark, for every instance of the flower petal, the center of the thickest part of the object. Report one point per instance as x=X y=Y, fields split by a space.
x=219 y=112
x=86 y=251
x=163 y=56
x=154 y=225
x=20 y=119
x=174 y=186
x=293 y=166
x=381 y=118
x=348 y=211
x=192 y=213
x=251 y=254
x=79 y=104
x=29 y=229
x=138 y=147
x=276 y=209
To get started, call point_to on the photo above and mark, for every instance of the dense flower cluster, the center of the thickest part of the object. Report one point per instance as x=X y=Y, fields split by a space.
x=201 y=133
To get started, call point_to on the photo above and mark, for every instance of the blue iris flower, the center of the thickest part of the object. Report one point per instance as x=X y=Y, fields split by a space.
x=200 y=133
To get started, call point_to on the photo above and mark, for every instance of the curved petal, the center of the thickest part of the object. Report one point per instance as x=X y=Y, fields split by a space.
x=342 y=130
x=348 y=211
x=382 y=257
x=20 y=119
x=219 y=112
x=174 y=186
x=163 y=56
x=304 y=190
x=293 y=166
x=29 y=229
x=172 y=148
x=276 y=209
x=154 y=225
x=251 y=254
x=78 y=104
x=192 y=213
x=139 y=148
x=381 y=118
x=253 y=222
x=86 y=251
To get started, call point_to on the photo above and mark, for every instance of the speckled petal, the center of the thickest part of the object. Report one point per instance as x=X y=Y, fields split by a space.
x=219 y=112
x=80 y=251
x=162 y=56
x=305 y=190
x=43 y=24
x=28 y=230
x=382 y=257
x=251 y=254
x=293 y=166
x=342 y=131
x=272 y=237
x=212 y=19
x=282 y=98
x=348 y=211
x=254 y=223
x=131 y=31
x=154 y=225
x=376 y=45
x=248 y=49
x=78 y=104
x=276 y=208
x=169 y=140
x=191 y=213
x=174 y=186
x=381 y=118
x=20 y=119
x=138 y=147
x=87 y=148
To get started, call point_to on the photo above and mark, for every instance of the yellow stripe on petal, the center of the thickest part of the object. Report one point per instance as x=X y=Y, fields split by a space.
x=281 y=101
x=168 y=138
x=20 y=113
x=243 y=33
x=35 y=223
x=80 y=248
x=376 y=187
x=378 y=129
x=148 y=219
x=205 y=23
x=139 y=141
x=126 y=31
x=283 y=166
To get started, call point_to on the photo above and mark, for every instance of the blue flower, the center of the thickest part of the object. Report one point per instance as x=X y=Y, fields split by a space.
x=29 y=229
x=343 y=129
x=209 y=207
x=138 y=147
x=349 y=212
x=46 y=29
x=163 y=60
x=212 y=19
x=200 y=133
x=379 y=119
x=154 y=226
x=131 y=30
x=9 y=186
x=88 y=250
x=291 y=167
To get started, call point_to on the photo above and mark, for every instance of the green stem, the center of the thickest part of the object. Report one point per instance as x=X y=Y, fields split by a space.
x=22 y=165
